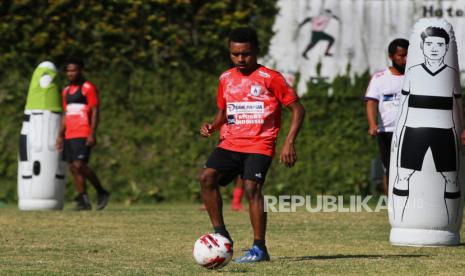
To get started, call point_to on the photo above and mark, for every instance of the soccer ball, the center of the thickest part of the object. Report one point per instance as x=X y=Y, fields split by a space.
x=213 y=251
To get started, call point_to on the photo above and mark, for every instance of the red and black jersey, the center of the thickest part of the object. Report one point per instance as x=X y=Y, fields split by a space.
x=77 y=103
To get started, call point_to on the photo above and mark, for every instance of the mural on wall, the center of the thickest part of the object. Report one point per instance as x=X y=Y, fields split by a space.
x=320 y=39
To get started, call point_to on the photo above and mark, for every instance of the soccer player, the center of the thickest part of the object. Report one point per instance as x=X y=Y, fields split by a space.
x=249 y=100
x=382 y=101
x=78 y=133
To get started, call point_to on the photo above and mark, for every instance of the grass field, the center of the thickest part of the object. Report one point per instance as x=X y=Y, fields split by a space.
x=158 y=239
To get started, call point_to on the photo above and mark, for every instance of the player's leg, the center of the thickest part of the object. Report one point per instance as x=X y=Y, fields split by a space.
x=386 y=183
x=72 y=151
x=255 y=169
x=220 y=161
x=211 y=195
x=384 y=143
x=212 y=200
x=223 y=180
x=102 y=194
x=79 y=178
x=257 y=213
x=82 y=202
x=238 y=192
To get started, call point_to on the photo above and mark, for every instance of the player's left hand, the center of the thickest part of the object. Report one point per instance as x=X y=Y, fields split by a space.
x=91 y=141
x=288 y=155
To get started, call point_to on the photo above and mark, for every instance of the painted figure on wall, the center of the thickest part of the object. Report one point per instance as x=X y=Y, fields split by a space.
x=319 y=24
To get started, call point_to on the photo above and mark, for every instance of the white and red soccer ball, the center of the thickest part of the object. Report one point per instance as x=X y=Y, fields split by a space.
x=213 y=251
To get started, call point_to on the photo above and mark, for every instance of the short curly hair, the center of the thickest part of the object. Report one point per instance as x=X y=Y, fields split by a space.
x=398 y=42
x=75 y=60
x=244 y=35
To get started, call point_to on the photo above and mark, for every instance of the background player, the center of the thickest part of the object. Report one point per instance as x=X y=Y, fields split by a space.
x=79 y=126
x=382 y=101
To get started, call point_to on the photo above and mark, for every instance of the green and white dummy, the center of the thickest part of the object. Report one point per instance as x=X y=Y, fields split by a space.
x=41 y=171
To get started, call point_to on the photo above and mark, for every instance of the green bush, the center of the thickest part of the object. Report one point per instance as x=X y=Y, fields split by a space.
x=334 y=151
x=156 y=64
x=149 y=148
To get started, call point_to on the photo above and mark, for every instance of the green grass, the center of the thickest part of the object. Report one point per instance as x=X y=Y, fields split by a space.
x=158 y=239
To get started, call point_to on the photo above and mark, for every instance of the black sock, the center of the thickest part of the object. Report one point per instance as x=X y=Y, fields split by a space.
x=222 y=231
x=98 y=187
x=84 y=197
x=260 y=244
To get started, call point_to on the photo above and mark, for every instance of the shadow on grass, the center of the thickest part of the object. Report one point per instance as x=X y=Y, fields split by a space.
x=340 y=256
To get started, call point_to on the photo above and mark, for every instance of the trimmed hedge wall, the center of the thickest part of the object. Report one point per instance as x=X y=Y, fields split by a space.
x=149 y=148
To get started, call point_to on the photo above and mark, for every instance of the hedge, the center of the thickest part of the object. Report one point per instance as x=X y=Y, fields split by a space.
x=149 y=148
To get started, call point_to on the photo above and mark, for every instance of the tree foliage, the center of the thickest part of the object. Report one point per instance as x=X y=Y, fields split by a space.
x=152 y=34
x=156 y=64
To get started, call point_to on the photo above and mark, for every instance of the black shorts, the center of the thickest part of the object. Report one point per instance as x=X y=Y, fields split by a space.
x=76 y=149
x=384 y=143
x=417 y=141
x=250 y=166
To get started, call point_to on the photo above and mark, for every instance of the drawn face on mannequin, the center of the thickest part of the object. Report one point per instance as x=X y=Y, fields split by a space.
x=434 y=47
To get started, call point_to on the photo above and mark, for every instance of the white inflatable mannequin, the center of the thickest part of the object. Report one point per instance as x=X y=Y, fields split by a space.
x=425 y=189
x=41 y=171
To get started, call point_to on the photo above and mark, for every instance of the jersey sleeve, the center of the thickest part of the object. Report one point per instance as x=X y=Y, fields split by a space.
x=220 y=100
x=91 y=95
x=406 y=84
x=285 y=94
x=372 y=92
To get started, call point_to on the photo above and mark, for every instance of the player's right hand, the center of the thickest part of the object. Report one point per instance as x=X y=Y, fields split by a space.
x=206 y=130
x=462 y=138
x=373 y=130
x=59 y=143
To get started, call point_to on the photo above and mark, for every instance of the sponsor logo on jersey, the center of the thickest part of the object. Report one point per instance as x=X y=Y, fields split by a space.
x=255 y=90
x=231 y=120
x=247 y=119
x=76 y=109
x=389 y=97
x=245 y=108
